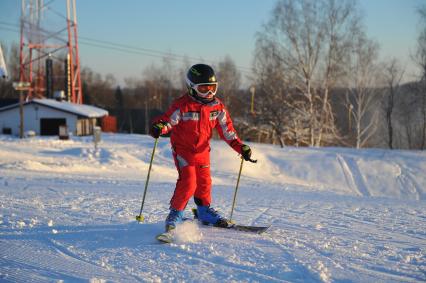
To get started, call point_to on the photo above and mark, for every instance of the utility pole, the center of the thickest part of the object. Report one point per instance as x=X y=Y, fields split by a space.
x=21 y=87
x=252 y=91
x=147 y=126
x=350 y=110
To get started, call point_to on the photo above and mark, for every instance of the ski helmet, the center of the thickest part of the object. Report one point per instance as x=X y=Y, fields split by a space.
x=202 y=83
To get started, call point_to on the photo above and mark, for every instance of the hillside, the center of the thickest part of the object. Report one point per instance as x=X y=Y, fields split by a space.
x=67 y=213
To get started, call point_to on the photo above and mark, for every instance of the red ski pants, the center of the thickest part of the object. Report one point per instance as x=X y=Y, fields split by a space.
x=194 y=180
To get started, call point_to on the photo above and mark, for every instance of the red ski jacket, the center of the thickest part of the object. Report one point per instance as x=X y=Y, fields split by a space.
x=191 y=124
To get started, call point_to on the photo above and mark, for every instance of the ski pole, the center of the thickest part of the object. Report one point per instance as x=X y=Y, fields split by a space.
x=236 y=188
x=140 y=217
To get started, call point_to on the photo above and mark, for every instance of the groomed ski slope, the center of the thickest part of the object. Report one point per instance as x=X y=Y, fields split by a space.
x=338 y=215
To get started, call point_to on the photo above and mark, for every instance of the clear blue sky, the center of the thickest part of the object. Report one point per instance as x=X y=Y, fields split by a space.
x=207 y=30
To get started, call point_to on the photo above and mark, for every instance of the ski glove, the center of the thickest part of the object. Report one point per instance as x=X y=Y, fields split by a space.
x=246 y=152
x=156 y=130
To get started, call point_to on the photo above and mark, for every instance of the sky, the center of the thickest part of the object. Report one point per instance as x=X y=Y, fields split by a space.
x=198 y=30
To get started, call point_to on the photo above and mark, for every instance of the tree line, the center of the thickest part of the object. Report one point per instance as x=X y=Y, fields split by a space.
x=316 y=81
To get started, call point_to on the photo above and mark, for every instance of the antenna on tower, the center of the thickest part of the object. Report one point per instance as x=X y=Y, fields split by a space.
x=49 y=42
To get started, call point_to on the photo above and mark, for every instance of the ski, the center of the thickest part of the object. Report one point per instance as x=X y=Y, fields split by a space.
x=166 y=237
x=247 y=228
x=237 y=227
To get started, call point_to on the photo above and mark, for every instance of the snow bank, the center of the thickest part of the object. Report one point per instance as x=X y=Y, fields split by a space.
x=67 y=214
x=368 y=172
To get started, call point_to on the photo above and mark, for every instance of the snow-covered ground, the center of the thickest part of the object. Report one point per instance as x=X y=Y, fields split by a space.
x=67 y=213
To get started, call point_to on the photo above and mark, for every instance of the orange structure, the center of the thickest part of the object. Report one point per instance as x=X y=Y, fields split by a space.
x=109 y=124
x=38 y=43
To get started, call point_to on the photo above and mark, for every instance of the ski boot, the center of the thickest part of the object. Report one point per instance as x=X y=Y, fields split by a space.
x=209 y=216
x=175 y=217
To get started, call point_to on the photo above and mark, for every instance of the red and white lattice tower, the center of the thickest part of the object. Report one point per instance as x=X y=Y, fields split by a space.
x=47 y=35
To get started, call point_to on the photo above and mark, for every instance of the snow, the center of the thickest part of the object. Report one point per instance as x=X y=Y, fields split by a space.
x=67 y=213
x=79 y=109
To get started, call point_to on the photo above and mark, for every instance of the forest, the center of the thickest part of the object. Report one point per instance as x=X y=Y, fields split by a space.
x=316 y=80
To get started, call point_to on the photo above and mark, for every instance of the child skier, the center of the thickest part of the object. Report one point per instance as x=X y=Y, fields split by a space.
x=191 y=119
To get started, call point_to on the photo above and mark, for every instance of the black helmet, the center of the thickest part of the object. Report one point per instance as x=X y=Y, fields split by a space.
x=202 y=83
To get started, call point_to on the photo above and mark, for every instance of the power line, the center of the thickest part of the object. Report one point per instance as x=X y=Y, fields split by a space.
x=128 y=48
x=167 y=54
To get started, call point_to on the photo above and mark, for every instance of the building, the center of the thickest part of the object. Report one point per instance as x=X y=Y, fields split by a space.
x=45 y=116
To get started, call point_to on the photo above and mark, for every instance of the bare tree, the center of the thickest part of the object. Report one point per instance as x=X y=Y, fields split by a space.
x=362 y=80
x=98 y=89
x=182 y=70
x=311 y=40
x=406 y=123
x=393 y=76
x=420 y=59
x=159 y=82
x=277 y=106
x=229 y=78
x=341 y=26
x=299 y=22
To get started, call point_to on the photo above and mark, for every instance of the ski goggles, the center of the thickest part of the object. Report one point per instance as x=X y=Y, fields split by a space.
x=206 y=90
